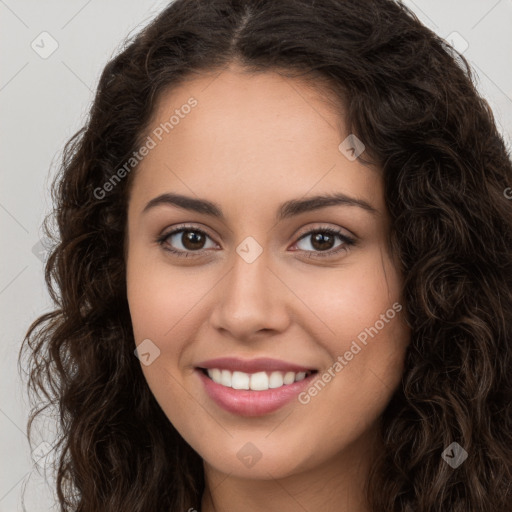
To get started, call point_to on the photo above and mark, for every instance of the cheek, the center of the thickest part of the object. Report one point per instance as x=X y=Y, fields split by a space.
x=159 y=297
x=164 y=308
x=362 y=330
x=354 y=390
x=345 y=301
x=157 y=314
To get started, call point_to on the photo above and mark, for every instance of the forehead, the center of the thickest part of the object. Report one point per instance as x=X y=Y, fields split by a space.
x=250 y=135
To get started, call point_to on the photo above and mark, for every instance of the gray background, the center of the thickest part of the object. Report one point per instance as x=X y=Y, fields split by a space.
x=43 y=101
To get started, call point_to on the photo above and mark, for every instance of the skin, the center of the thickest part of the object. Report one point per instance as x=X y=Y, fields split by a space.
x=251 y=143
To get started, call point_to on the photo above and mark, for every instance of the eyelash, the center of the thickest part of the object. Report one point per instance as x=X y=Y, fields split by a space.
x=347 y=242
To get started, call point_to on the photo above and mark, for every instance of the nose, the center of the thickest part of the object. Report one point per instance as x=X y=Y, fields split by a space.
x=250 y=300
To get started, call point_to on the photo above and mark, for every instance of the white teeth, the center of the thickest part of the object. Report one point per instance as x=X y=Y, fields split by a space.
x=215 y=375
x=240 y=380
x=276 y=380
x=300 y=376
x=259 y=381
x=225 y=379
x=289 y=377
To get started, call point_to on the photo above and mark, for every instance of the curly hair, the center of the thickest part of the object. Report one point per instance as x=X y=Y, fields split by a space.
x=412 y=99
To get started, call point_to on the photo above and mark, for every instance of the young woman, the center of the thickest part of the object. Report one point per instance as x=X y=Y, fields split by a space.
x=284 y=271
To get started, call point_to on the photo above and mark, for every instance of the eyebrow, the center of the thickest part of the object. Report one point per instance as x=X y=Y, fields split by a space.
x=286 y=210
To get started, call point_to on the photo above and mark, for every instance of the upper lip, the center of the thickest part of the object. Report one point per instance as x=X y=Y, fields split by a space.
x=252 y=365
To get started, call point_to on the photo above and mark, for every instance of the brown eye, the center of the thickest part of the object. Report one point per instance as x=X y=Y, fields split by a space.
x=185 y=241
x=192 y=240
x=322 y=242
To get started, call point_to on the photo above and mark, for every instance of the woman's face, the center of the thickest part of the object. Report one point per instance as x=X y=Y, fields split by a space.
x=258 y=280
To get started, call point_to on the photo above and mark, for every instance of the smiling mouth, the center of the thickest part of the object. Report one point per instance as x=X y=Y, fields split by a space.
x=258 y=381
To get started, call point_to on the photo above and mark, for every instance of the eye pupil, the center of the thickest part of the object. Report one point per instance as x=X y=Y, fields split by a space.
x=319 y=241
x=192 y=240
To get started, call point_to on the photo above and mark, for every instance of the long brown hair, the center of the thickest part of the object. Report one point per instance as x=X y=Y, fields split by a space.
x=412 y=100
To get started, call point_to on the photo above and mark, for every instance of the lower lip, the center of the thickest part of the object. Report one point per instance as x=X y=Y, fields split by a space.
x=246 y=402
